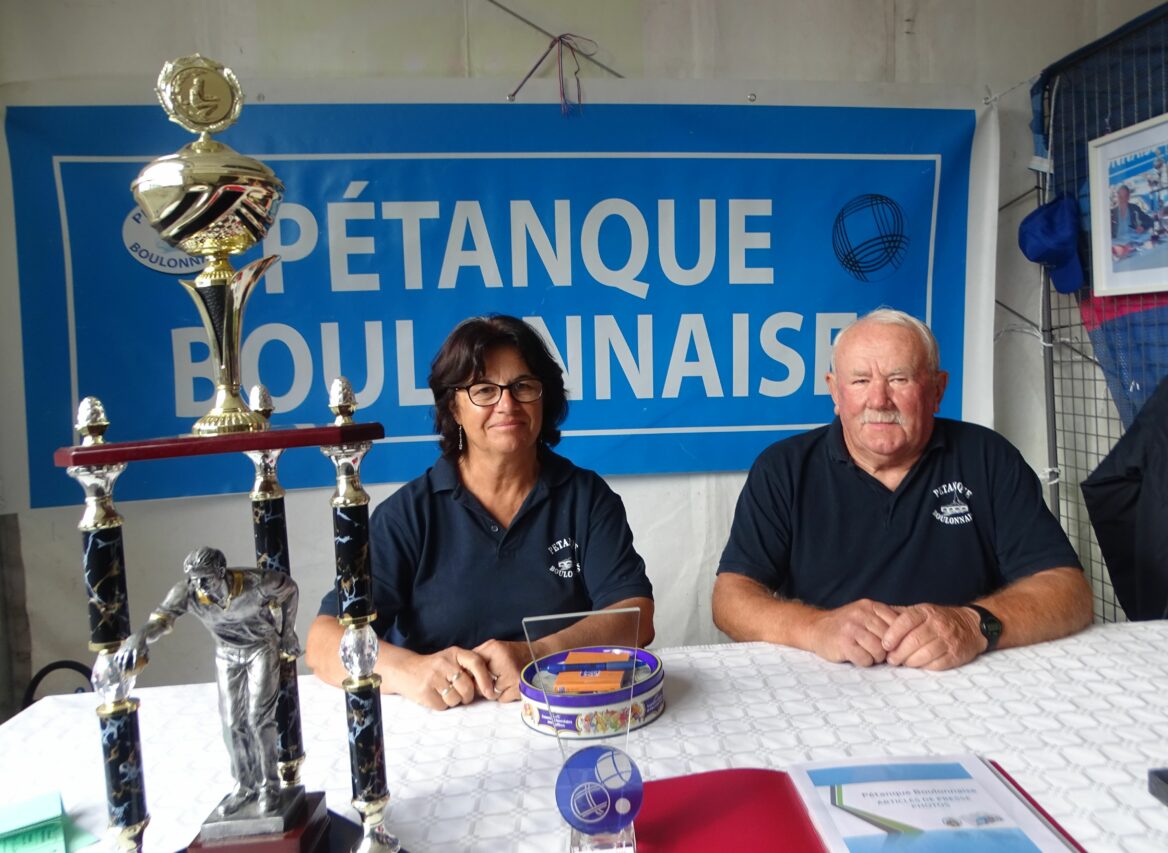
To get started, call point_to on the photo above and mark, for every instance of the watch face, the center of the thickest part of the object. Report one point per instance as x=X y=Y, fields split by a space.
x=989 y=625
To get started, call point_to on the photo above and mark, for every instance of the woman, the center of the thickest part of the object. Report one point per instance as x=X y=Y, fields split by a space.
x=498 y=529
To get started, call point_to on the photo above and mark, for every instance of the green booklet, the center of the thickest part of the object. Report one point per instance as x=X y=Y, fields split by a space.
x=33 y=826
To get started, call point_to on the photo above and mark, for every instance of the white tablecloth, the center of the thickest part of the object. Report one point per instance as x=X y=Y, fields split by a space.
x=1078 y=723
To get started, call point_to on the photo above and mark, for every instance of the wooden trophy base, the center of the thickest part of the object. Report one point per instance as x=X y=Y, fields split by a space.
x=309 y=834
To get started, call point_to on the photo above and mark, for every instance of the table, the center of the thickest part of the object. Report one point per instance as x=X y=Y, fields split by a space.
x=1077 y=722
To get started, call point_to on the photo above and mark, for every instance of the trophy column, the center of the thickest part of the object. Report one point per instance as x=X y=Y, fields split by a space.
x=109 y=624
x=270 y=526
x=354 y=583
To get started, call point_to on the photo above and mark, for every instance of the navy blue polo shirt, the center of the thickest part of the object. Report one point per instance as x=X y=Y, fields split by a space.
x=445 y=573
x=967 y=519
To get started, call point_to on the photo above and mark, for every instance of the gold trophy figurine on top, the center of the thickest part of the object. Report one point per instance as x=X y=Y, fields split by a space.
x=208 y=199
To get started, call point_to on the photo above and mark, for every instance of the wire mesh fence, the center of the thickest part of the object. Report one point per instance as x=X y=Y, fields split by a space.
x=1109 y=351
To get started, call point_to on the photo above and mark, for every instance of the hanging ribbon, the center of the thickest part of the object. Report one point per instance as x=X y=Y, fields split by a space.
x=575 y=44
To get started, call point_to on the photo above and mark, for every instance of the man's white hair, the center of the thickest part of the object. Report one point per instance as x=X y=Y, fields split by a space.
x=893 y=317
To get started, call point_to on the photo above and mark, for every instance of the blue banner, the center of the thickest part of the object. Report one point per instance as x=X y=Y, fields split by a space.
x=689 y=265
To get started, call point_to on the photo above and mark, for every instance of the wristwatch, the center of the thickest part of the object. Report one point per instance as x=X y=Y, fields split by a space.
x=990 y=625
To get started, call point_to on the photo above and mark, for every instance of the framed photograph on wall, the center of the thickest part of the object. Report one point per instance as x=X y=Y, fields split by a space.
x=1129 y=208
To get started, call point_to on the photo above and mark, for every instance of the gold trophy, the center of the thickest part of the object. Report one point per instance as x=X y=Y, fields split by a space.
x=208 y=199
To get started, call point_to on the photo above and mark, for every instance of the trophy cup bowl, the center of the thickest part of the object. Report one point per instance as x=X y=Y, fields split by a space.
x=209 y=200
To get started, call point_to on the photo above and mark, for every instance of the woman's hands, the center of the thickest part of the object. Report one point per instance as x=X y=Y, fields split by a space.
x=506 y=661
x=456 y=676
x=451 y=677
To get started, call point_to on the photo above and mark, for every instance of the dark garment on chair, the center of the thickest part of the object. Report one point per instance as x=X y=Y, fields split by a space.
x=1127 y=499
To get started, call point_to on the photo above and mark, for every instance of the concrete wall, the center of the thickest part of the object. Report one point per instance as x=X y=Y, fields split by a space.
x=987 y=44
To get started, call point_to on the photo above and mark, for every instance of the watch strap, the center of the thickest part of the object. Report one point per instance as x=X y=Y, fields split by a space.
x=989 y=625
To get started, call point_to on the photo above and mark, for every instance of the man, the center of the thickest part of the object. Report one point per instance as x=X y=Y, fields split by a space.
x=1129 y=222
x=892 y=537
x=252 y=616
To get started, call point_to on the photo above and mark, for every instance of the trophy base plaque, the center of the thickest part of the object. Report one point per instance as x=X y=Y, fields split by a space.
x=306 y=830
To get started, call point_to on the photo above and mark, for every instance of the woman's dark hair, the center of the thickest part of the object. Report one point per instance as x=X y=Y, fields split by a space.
x=460 y=361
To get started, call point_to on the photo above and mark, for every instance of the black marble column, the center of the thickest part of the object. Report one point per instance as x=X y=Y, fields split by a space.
x=289 y=735
x=351 y=545
x=103 y=563
x=366 y=739
x=270 y=531
x=350 y=505
x=270 y=527
x=122 y=751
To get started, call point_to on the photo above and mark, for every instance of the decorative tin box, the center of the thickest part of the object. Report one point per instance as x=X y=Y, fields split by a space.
x=592 y=715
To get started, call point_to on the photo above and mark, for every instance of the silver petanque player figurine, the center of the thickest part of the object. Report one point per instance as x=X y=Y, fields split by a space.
x=252 y=615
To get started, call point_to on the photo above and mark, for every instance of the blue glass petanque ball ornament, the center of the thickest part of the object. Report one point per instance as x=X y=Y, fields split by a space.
x=599 y=790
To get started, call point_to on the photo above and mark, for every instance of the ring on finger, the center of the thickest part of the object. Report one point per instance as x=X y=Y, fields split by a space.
x=455 y=677
x=444 y=691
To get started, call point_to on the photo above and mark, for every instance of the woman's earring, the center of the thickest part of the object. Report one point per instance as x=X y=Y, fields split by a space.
x=460 y=438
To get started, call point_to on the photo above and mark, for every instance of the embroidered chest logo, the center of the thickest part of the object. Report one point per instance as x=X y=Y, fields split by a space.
x=565 y=562
x=952 y=503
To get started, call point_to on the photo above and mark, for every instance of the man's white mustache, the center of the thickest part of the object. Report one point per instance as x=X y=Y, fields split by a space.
x=875 y=416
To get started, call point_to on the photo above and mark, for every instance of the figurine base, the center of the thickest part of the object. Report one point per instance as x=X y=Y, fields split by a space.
x=249 y=820
x=624 y=841
x=344 y=834
x=306 y=832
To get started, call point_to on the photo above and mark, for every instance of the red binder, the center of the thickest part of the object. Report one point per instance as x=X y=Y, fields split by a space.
x=725 y=810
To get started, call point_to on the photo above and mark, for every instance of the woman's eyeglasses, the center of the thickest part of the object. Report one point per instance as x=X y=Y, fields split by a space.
x=489 y=393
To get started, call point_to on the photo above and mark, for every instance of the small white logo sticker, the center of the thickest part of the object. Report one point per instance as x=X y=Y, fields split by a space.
x=148 y=248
